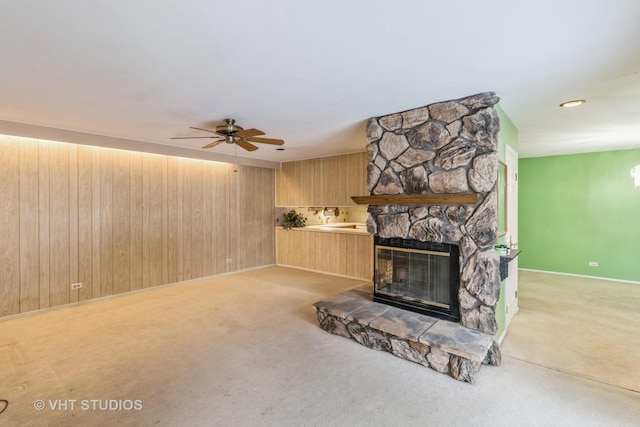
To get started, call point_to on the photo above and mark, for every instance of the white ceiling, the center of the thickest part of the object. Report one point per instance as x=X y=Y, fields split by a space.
x=313 y=72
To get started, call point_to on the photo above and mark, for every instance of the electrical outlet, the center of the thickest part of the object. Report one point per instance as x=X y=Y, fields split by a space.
x=593 y=264
x=228 y=261
x=76 y=285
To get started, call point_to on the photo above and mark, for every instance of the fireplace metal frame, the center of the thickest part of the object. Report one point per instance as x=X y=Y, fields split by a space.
x=452 y=312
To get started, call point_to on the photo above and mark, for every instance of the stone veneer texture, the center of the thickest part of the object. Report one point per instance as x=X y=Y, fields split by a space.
x=446 y=147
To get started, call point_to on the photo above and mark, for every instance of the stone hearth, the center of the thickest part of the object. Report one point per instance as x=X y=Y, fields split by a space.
x=443 y=346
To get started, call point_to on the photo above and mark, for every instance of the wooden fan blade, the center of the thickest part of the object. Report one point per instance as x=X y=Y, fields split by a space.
x=246 y=145
x=192 y=137
x=206 y=130
x=249 y=132
x=213 y=144
x=266 y=140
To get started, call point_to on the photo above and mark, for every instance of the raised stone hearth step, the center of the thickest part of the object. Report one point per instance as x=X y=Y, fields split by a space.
x=442 y=345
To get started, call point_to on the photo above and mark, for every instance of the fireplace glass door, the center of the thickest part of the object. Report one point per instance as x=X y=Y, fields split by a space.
x=416 y=275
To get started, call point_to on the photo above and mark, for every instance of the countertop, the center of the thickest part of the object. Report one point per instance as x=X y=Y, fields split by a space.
x=336 y=227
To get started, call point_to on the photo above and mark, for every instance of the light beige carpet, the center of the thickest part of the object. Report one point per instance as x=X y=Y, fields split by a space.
x=246 y=350
x=582 y=326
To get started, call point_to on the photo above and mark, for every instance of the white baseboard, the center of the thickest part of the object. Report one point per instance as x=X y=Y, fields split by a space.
x=124 y=294
x=581 y=275
x=325 y=272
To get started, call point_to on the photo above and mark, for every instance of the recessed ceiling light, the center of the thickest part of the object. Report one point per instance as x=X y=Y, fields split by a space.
x=573 y=103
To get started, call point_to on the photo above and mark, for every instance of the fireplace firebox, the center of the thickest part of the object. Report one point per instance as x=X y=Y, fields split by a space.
x=418 y=276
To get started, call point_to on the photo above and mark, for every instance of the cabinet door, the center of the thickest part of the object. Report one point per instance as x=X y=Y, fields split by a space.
x=329 y=181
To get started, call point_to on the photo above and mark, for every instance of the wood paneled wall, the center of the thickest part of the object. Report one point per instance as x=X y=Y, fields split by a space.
x=338 y=253
x=118 y=221
x=326 y=181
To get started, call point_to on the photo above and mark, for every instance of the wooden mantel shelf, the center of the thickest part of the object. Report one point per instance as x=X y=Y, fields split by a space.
x=418 y=199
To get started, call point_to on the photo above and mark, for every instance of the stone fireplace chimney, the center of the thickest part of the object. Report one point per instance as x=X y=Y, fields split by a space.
x=446 y=148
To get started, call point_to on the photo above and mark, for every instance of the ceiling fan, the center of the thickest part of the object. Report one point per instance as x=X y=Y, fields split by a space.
x=234 y=134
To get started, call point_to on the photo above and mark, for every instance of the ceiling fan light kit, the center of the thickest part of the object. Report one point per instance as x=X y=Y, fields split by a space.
x=234 y=134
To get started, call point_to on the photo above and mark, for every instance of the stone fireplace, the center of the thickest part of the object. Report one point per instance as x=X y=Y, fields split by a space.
x=433 y=211
x=444 y=148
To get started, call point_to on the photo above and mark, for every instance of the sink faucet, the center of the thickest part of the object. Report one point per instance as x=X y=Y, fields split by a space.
x=329 y=212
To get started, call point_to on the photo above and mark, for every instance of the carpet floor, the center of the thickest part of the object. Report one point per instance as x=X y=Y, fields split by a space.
x=245 y=350
x=582 y=326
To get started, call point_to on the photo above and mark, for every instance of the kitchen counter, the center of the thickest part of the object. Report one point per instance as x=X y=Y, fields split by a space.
x=326 y=248
x=336 y=227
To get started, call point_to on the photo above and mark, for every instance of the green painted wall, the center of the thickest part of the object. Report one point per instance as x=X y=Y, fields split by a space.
x=578 y=208
x=508 y=136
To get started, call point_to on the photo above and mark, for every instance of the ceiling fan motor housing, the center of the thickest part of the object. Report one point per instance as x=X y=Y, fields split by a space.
x=228 y=130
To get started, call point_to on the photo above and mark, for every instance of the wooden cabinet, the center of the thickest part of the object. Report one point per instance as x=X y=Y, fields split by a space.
x=327 y=181
x=336 y=253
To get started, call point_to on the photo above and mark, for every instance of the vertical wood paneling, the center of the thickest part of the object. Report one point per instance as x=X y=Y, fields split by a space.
x=305 y=172
x=268 y=208
x=329 y=181
x=233 y=223
x=172 y=220
x=207 y=211
x=281 y=181
x=136 y=212
x=319 y=179
x=9 y=228
x=365 y=260
x=241 y=217
x=187 y=207
x=364 y=187
x=96 y=222
x=156 y=220
x=165 y=221
x=330 y=189
x=106 y=223
x=197 y=241
x=336 y=253
x=285 y=181
x=266 y=217
x=121 y=222
x=59 y=224
x=146 y=220
x=181 y=220
x=353 y=177
x=221 y=217
x=117 y=221
x=29 y=223
x=152 y=220
x=85 y=217
x=298 y=185
x=253 y=195
x=247 y=217
x=313 y=257
x=74 y=220
x=43 y=227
